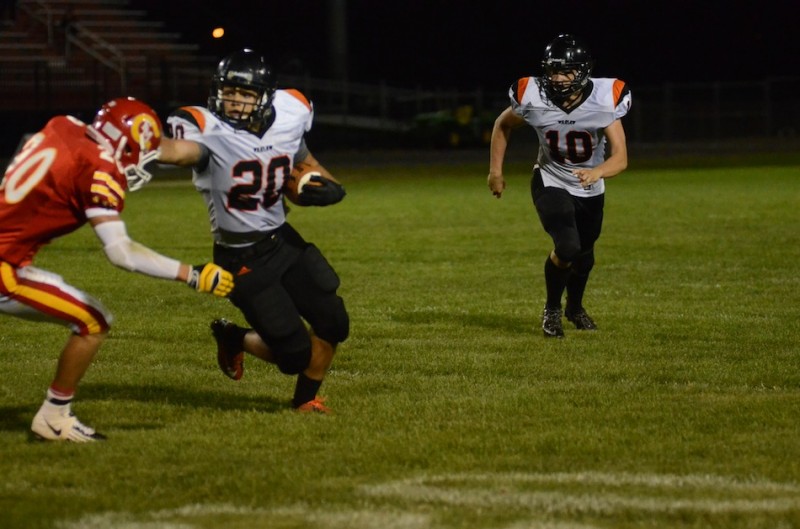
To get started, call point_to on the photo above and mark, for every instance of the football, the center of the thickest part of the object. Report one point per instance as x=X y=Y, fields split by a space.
x=300 y=177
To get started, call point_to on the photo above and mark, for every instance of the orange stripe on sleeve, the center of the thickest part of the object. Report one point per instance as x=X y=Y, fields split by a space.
x=522 y=85
x=299 y=96
x=619 y=86
x=198 y=116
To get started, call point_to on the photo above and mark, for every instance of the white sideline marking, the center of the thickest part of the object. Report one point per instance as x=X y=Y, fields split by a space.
x=476 y=490
x=536 y=524
x=168 y=518
x=533 y=496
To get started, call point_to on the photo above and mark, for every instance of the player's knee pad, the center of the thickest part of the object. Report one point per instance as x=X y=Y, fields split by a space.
x=567 y=247
x=335 y=327
x=329 y=317
x=583 y=263
x=292 y=353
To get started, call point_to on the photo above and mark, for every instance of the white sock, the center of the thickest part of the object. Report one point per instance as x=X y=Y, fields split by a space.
x=57 y=403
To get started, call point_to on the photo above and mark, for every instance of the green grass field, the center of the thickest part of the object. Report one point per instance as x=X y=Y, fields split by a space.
x=452 y=410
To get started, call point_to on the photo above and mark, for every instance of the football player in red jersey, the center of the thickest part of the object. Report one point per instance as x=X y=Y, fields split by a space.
x=574 y=116
x=66 y=175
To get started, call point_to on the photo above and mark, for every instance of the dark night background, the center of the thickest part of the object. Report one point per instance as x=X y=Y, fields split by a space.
x=489 y=44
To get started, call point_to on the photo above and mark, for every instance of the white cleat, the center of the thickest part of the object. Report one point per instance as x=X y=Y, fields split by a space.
x=63 y=426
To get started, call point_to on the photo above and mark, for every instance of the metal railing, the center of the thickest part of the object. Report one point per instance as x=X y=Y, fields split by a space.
x=664 y=113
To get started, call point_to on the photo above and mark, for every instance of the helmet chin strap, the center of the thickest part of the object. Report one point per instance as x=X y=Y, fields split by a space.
x=262 y=123
x=561 y=92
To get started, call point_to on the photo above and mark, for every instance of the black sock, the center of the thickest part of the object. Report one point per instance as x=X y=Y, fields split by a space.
x=555 y=280
x=305 y=390
x=576 y=286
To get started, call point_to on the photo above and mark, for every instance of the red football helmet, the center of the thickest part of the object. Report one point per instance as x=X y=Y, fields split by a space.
x=132 y=132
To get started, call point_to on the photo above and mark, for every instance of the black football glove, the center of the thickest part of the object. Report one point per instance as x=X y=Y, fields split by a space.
x=329 y=192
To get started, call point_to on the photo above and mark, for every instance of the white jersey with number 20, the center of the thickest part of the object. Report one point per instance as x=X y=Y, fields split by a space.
x=242 y=182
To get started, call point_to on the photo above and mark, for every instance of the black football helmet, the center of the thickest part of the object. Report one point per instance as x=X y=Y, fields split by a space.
x=244 y=69
x=565 y=53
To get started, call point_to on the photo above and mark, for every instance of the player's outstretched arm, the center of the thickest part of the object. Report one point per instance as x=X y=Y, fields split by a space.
x=132 y=256
x=185 y=153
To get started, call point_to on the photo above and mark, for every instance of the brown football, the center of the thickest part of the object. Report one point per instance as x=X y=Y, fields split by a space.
x=299 y=177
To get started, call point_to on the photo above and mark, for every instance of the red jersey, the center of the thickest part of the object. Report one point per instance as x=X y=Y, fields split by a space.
x=58 y=175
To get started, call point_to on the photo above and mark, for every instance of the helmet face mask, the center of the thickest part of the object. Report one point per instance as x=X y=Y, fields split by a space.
x=567 y=66
x=239 y=103
x=241 y=74
x=131 y=132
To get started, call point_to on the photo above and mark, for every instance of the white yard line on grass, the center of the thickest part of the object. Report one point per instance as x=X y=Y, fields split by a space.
x=533 y=498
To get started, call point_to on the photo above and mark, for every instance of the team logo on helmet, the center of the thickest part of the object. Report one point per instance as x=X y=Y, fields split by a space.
x=242 y=77
x=145 y=129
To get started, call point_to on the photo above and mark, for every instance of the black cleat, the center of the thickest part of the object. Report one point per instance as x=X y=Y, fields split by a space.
x=230 y=356
x=551 y=323
x=581 y=320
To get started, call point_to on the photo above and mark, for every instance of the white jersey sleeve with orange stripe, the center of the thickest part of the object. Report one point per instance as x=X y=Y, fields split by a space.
x=242 y=181
x=573 y=139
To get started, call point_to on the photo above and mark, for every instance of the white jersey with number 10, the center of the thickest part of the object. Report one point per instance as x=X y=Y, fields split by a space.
x=571 y=139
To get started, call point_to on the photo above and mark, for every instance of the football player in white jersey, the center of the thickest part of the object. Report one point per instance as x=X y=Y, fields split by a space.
x=241 y=149
x=574 y=116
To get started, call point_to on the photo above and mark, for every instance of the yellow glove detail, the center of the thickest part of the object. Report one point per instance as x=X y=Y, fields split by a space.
x=211 y=278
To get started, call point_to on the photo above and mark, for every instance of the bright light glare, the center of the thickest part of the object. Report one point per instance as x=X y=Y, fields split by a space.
x=217 y=33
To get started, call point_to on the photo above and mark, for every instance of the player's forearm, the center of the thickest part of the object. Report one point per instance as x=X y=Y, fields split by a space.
x=497 y=148
x=125 y=253
x=179 y=152
x=618 y=159
x=614 y=165
x=136 y=257
x=183 y=272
